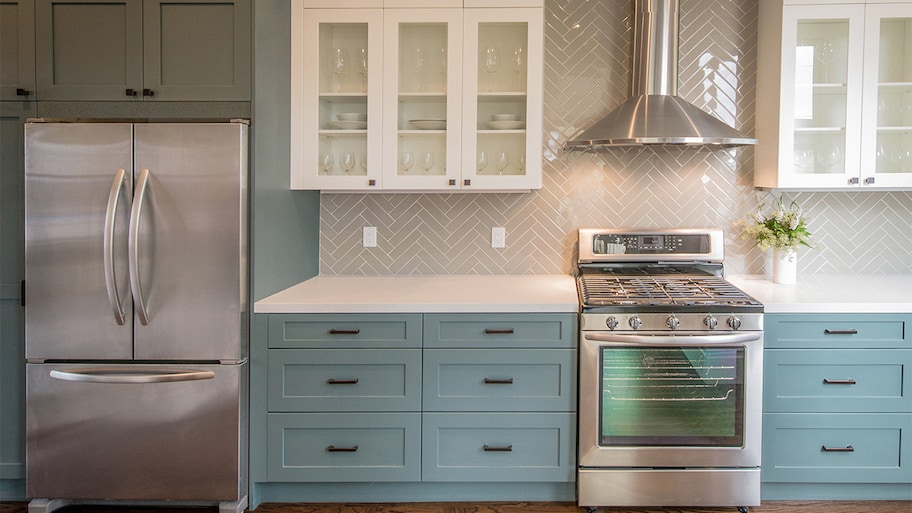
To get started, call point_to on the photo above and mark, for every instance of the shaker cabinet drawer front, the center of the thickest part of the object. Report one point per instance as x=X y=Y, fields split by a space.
x=344 y=447
x=499 y=330
x=334 y=331
x=837 y=448
x=841 y=380
x=499 y=380
x=319 y=380
x=499 y=447
x=829 y=331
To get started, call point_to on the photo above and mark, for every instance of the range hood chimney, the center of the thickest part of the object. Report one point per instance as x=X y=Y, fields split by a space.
x=654 y=114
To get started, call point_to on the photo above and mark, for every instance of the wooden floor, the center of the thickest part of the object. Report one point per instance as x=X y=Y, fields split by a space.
x=501 y=507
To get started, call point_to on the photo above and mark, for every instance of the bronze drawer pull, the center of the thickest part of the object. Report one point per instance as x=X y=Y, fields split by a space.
x=344 y=332
x=841 y=332
x=828 y=381
x=492 y=381
x=333 y=448
x=489 y=448
x=334 y=381
x=847 y=448
x=492 y=331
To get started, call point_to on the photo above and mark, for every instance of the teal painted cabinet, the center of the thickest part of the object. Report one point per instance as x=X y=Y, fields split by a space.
x=837 y=407
x=167 y=50
x=17 y=50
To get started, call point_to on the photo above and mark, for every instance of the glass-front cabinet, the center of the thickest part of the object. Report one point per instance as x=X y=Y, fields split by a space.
x=834 y=95
x=418 y=96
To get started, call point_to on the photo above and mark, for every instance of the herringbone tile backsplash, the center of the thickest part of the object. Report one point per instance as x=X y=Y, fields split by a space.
x=587 y=49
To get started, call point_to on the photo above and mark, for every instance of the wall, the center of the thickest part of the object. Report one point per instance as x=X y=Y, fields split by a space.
x=587 y=48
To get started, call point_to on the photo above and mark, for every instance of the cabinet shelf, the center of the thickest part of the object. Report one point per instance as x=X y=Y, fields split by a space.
x=344 y=133
x=820 y=130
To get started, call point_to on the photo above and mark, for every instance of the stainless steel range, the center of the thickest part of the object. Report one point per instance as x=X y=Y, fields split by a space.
x=670 y=373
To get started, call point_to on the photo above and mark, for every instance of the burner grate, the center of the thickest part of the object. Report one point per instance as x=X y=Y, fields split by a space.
x=660 y=290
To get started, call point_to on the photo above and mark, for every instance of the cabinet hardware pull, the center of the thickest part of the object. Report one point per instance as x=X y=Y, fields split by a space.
x=22 y=92
x=371 y=183
x=853 y=180
x=467 y=182
x=344 y=332
x=841 y=332
x=333 y=448
x=492 y=331
x=869 y=180
x=847 y=448
x=489 y=448
x=452 y=182
x=828 y=381
x=131 y=92
x=148 y=92
x=334 y=381
x=492 y=381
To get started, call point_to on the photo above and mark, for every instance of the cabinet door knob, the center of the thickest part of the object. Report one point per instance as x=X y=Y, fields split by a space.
x=22 y=92
x=148 y=92
x=131 y=92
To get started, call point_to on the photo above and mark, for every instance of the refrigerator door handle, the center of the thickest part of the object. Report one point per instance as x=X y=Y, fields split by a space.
x=128 y=375
x=136 y=211
x=110 y=277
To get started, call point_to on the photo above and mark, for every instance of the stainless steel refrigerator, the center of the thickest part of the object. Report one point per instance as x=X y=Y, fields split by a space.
x=136 y=320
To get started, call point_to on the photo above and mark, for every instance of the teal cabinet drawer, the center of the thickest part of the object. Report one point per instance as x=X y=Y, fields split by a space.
x=837 y=448
x=500 y=330
x=833 y=331
x=348 y=331
x=843 y=380
x=344 y=447
x=504 y=447
x=327 y=380
x=499 y=380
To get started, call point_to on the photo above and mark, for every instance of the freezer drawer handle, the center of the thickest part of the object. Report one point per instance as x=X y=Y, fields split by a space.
x=133 y=246
x=828 y=381
x=344 y=332
x=491 y=448
x=126 y=375
x=109 y=274
x=333 y=448
x=847 y=448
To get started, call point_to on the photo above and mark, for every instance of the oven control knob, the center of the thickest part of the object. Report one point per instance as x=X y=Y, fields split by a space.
x=611 y=322
x=734 y=323
x=672 y=322
x=635 y=322
x=710 y=322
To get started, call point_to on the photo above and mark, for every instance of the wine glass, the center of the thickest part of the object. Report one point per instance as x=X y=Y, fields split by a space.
x=420 y=62
x=522 y=162
x=829 y=156
x=482 y=161
x=826 y=54
x=491 y=63
x=503 y=160
x=407 y=160
x=427 y=161
x=341 y=64
x=519 y=64
x=326 y=162
x=442 y=53
x=362 y=66
x=347 y=161
x=363 y=160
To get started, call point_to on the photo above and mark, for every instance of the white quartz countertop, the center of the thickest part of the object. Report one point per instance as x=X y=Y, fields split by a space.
x=868 y=293
x=426 y=294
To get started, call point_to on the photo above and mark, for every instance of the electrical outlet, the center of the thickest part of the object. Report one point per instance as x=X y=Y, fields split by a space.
x=369 y=237
x=498 y=237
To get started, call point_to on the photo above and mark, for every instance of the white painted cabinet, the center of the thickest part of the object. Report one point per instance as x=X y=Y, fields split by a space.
x=834 y=95
x=399 y=95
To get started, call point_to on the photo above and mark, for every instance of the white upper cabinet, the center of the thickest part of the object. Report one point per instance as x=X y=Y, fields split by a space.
x=416 y=96
x=834 y=95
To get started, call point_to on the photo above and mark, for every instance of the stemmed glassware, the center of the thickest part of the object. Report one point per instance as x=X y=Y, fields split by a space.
x=519 y=64
x=341 y=65
x=829 y=156
x=442 y=53
x=420 y=62
x=491 y=63
x=407 y=160
x=362 y=67
x=826 y=54
x=326 y=162
x=347 y=161
x=503 y=160
x=363 y=160
x=482 y=161
x=427 y=161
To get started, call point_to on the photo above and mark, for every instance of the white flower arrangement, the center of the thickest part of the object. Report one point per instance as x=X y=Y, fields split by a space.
x=780 y=228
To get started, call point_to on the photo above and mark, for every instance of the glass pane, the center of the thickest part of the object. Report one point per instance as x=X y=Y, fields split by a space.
x=821 y=56
x=672 y=396
x=894 y=97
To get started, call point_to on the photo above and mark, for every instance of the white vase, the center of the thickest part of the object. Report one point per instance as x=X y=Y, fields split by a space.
x=785 y=266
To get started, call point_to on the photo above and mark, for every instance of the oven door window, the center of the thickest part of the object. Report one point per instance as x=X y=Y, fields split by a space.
x=672 y=396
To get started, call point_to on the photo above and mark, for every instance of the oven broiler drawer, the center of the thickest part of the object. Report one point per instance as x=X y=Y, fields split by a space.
x=837 y=448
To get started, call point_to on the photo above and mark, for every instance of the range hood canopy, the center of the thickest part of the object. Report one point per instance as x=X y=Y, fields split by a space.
x=654 y=114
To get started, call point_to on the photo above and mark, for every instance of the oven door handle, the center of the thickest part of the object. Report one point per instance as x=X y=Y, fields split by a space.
x=674 y=340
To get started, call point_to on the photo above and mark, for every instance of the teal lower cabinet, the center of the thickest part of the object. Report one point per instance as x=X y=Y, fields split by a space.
x=414 y=407
x=837 y=407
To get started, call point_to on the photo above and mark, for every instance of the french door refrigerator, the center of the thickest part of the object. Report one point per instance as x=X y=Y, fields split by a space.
x=136 y=313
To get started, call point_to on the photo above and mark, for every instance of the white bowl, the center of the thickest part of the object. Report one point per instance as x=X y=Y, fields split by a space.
x=505 y=117
x=351 y=116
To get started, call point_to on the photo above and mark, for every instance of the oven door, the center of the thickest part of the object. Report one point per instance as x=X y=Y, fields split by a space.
x=670 y=401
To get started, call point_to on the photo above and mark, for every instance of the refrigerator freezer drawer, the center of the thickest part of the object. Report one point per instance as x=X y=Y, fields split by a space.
x=135 y=432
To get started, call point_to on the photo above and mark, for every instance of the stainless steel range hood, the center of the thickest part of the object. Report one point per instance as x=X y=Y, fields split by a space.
x=654 y=114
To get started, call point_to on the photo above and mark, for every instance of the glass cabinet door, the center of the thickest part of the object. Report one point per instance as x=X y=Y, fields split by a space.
x=887 y=132
x=336 y=107
x=422 y=98
x=502 y=99
x=822 y=48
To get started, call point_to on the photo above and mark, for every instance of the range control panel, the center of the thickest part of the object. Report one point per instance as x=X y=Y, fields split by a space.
x=613 y=245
